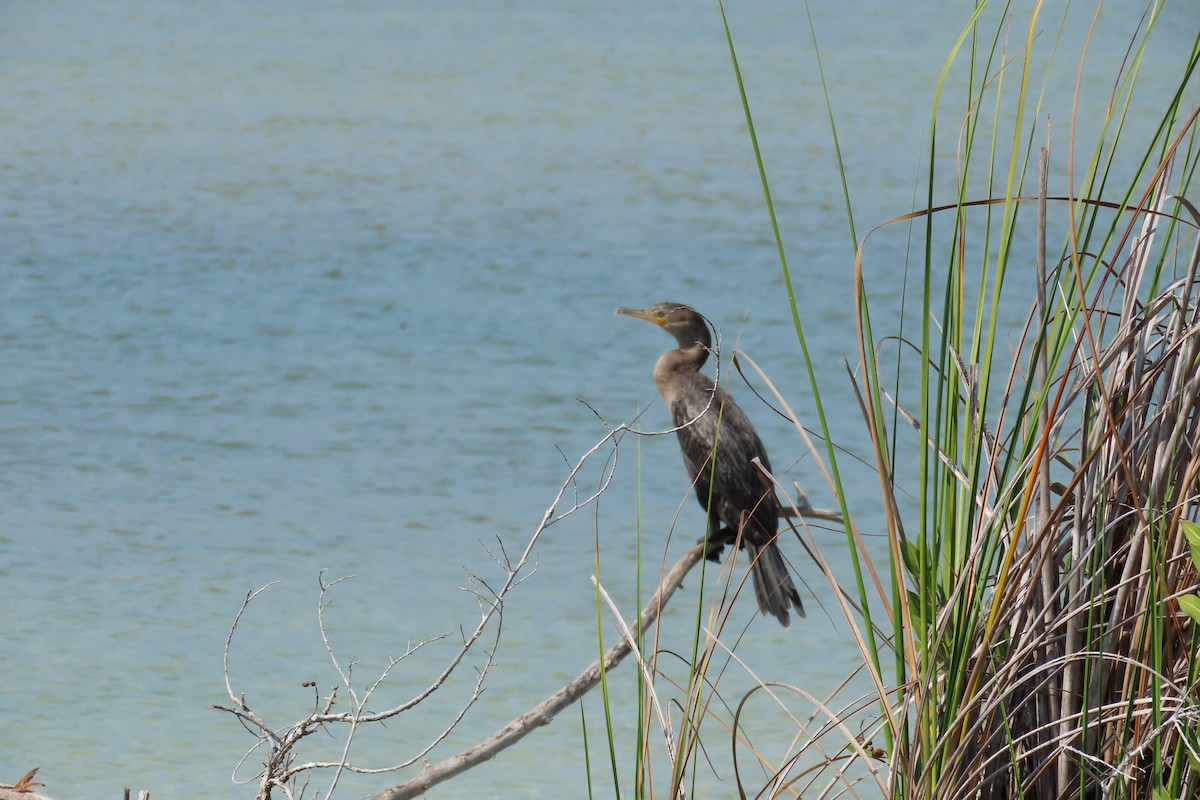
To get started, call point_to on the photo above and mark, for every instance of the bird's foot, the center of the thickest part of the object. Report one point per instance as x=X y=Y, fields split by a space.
x=716 y=543
x=715 y=551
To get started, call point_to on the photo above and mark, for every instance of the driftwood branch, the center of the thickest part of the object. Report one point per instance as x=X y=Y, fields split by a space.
x=545 y=711
x=801 y=507
x=9 y=793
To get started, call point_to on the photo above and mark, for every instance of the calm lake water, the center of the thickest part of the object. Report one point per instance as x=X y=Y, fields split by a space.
x=292 y=287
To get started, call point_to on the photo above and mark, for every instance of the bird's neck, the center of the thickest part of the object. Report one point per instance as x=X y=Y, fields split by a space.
x=674 y=363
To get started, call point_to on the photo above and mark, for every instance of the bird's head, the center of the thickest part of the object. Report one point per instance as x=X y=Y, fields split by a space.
x=686 y=324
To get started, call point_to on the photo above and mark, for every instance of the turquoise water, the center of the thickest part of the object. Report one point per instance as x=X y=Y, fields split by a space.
x=302 y=287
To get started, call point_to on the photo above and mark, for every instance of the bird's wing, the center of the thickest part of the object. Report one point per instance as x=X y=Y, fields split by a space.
x=737 y=486
x=696 y=429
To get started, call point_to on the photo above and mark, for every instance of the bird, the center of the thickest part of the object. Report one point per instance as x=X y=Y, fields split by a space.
x=734 y=492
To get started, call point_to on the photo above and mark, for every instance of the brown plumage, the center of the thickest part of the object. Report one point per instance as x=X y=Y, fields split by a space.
x=734 y=493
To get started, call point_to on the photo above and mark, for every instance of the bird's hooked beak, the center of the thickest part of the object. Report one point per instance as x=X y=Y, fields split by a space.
x=647 y=315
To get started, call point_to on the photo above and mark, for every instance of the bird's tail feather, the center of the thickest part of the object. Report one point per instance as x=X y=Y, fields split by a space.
x=773 y=583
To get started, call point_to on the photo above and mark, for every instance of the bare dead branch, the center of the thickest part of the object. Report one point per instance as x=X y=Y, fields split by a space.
x=277 y=747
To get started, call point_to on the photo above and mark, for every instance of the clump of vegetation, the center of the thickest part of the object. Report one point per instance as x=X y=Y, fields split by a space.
x=1033 y=624
x=1031 y=629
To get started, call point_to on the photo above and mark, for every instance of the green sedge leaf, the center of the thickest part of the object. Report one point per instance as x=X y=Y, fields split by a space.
x=1190 y=604
x=1192 y=531
x=908 y=552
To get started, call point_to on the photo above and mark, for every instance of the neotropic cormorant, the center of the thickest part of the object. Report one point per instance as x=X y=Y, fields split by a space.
x=733 y=491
